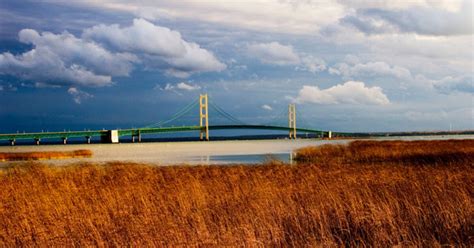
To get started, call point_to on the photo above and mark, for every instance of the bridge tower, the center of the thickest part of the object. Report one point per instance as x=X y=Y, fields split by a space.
x=292 y=120
x=203 y=117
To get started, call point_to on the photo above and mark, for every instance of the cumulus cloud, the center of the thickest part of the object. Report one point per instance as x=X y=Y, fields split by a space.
x=64 y=59
x=351 y=92
x=142 y=36
x=267 y=107
x=424 y=20
x=104 y=52
x=77 y=95
x=273 y=53
x=160 y=47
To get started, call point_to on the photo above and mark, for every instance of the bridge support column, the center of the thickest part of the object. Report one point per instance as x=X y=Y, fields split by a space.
x=37 y=141
x=65 y=140
x=292 y=120
x=138 y=136
x=12 y=142
x=203 y=117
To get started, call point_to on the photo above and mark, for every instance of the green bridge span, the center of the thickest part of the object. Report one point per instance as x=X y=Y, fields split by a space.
x=138 y=132
x=113 y=136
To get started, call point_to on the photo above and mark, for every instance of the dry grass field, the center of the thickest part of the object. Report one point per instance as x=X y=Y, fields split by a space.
x=20 y=156
x=388 y=193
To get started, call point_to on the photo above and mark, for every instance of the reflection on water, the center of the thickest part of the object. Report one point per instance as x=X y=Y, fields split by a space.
x=245 y=158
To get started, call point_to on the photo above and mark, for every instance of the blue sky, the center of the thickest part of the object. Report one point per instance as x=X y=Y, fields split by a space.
x=348 y=65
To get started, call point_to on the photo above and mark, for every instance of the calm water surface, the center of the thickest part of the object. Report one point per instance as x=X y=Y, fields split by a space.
x=244 y=158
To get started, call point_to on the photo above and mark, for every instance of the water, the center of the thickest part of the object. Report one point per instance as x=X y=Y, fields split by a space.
x=245 y=158
x=214 y=152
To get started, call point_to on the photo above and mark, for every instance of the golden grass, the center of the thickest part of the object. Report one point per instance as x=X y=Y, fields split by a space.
x=19 y=156
x=365 y=203
x=436 y=152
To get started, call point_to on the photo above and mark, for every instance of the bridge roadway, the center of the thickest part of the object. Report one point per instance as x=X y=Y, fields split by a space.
x=138 y=132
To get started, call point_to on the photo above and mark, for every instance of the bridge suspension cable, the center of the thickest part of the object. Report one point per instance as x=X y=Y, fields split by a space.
x=177 y=115
x=278 y=119
x=302 y=120
x=225 y=114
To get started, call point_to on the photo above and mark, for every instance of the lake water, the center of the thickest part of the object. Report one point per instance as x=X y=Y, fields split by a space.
x=244 y=158
x=213 y=152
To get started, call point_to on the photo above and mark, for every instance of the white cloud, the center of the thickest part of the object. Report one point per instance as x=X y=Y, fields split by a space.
x=312 y=64
x=142 y=37
x=291 y=17
x=278 y=54
x=78 y=95
x=273 y=53
x=179 y=86
x=301 y=17
x=63 y=59
x=72 y=50
x=104 y=52
x=369 y=69
x=188 y=87
x=267 y=107
x=351 y=92
x=161 y=47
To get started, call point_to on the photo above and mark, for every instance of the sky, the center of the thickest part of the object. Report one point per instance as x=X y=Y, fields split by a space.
x=362 y=65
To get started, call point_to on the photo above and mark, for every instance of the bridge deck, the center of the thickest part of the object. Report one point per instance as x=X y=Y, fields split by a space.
x=137 y=131
x=141 y=131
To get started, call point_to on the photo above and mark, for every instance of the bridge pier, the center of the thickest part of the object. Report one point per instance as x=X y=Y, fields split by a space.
x=37 y=141
x=138 y=136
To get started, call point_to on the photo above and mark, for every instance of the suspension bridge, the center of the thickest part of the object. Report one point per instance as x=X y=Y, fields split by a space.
x=204 y=128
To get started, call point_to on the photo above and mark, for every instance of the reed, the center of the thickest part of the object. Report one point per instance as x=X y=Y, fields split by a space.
x=365 y=202
x=436 y=152
x=19 y=156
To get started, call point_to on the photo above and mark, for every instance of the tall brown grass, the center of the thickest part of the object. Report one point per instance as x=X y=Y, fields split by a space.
x=436 y=152
x=18 y=156
x=364 y=203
